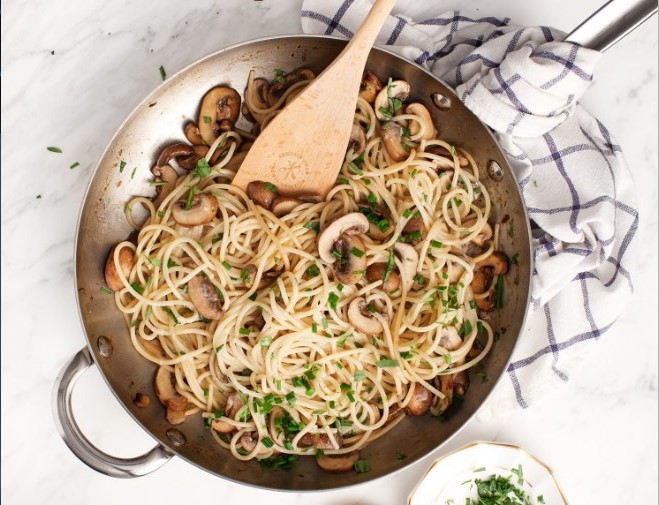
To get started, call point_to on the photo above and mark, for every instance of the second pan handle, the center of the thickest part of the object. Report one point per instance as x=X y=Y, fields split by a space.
x=611 y=23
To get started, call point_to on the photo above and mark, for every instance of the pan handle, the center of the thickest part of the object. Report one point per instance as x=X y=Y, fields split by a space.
x=80 y=445
x=611 y=23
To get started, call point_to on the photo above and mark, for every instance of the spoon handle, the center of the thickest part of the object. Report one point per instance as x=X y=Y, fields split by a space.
x=371 y=26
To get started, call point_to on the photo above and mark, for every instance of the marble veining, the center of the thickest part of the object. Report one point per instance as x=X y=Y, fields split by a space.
x=73 y=70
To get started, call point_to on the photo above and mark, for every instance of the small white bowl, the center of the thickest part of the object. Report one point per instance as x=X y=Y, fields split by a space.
x=452 y=476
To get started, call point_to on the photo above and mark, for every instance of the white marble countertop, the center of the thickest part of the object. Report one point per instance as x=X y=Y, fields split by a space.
x=72 y=71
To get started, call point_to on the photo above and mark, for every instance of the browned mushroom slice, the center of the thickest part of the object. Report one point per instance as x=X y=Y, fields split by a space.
x=413 y=229
x=126 y=263
x=442 y=151
x=420 y=401
x=481 y=282
x=320 y=441
x=231 y=408
x=255 y=97
x=184 y=154
x=449 y=338
x=488 y=302
x=176 y=404
x=357 y=139
x=262 y=193
x=248 y=275
x=349 y=224
x=370 y=87
x=398 y=90
x=461 y=382
x=484 y=234
x=376 y=272
x=394 y=143
x=281 y=83
x=425 y=121
x=219 y=111
x=153 y=346
x=191 y=131
x=340 y=463
x=282 y=205
x=446 y=387
x=409 y=260
x=205 y=298
x=248 y=440
x=496 y=263
x=168 y=176
x=351 y=260
x=362 y=319
x=200 y=209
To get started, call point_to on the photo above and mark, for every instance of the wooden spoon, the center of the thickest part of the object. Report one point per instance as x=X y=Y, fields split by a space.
x=302 y=149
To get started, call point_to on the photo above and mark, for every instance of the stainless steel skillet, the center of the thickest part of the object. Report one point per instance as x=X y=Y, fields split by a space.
x=158 y=120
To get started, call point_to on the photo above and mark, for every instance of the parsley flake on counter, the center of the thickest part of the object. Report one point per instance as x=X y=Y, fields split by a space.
x=74 y=165
x=54 y=149
x=163 y=74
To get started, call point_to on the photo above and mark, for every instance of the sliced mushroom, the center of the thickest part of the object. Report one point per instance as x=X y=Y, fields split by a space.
x=255 y=96
x=248 y=275
x=204 y=297
x=449 y=338
x=361 y=318
x=496 y=263
x=397 y=89
x=461 y=382
x=383 y=227
x=349 y=224
x=376 y=271
x=394 y=412
x=249 y=440
x=484 y=234
x=154 y=347
x=262 y=193
x=350 y=266
x=282 y=205
x=409 y=260
x=420 y=401
x=340 y=463
x=168 y=176
x=488 y=302
x=126 y=263
x=370 y=86
x=219 y=111
x=191 y=131
x=184 y=154
x=176 y=404
x=320 y=441
x=413 y=229
x=357 y=139
x=442 y=151
x=202 y=210
x=446 y=387
x=231 y=408
x=279 y=86
x=425 y=121
x=481 y=282
x=394 y=143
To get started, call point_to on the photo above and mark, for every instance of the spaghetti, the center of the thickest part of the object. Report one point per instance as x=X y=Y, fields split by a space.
x=277 y=366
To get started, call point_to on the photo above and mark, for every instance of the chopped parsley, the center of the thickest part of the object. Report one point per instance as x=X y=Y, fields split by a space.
x=270 y=187
x=312 y=225
x=362 y=465
x=163 y=74
x=203 y=169
x=333 y=299
x=54 y=149
x=388 y=363
x=360 y=375
x=105 y=290
x=357 y=252
x=171 y=314
x=74 y=165
x=207 y=119
x=122 y=165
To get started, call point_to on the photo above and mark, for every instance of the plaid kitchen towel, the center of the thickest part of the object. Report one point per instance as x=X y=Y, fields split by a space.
x=525 y=85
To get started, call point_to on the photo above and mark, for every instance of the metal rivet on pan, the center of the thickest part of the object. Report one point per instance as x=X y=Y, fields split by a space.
x=442 y=102
x=175 y=437
x=495 y=171
x=104 y=346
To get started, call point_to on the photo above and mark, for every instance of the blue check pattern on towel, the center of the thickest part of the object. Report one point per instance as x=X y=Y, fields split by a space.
x=525 y=85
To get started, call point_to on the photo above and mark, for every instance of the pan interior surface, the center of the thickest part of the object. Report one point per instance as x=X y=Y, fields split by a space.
x=159 y=120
